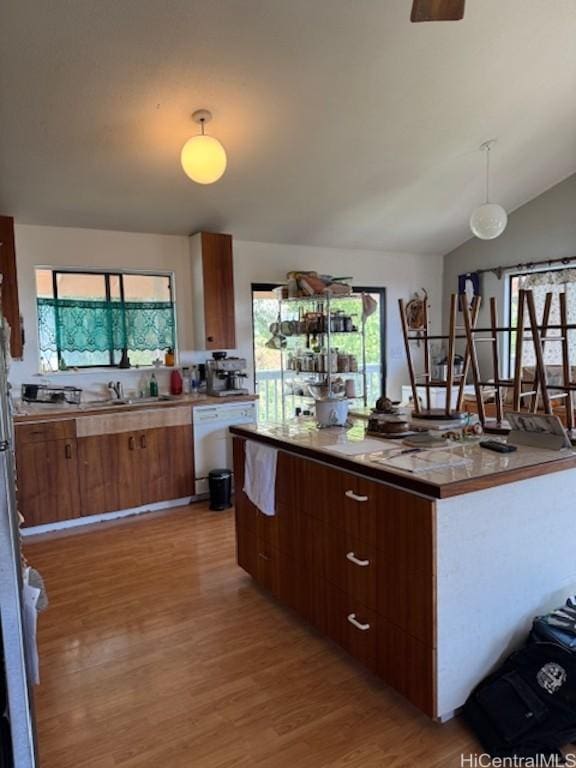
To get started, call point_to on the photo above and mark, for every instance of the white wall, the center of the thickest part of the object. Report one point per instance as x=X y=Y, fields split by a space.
x=544 y=228
x=401 y=274
x=90 y=248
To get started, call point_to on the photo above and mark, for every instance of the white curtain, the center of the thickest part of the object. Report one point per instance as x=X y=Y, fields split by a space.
x=554 y=282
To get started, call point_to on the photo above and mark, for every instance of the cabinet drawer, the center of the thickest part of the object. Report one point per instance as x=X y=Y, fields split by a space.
x=246 y=550
x=407 y=665
x=296 y=536
x=351 y=624
x=407 y=599
x=343 y=500
x=45 y=430
x=351 y=565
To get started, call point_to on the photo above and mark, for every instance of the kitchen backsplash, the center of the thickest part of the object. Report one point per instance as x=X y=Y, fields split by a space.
x=94 y=381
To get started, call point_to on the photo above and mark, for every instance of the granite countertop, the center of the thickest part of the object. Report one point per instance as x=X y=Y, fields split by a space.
x=460 y=467
x=31 y=412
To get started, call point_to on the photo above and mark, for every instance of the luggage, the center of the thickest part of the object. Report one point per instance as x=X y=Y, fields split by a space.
x=527 y=708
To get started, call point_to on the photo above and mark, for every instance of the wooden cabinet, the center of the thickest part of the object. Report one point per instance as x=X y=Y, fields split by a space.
x=354 y=557
x=103 y=463
x=47 y=473
x=213 y=291
x=10 y=303
x=133 y=468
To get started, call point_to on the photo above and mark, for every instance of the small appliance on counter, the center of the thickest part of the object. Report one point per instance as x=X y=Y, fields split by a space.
x=331 y=405
x=42 y=393
x=224 y=375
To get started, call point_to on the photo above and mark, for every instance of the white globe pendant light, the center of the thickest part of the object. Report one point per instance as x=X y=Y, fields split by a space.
x=203 y=157
x=489 y=220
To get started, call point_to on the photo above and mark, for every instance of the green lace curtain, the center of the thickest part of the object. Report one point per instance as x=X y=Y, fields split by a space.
x=67 y=325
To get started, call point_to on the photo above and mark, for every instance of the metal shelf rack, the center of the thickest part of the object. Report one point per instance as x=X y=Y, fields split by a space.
x=324 y=305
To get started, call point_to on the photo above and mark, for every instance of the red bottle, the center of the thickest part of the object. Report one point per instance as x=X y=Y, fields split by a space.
x=175 y=382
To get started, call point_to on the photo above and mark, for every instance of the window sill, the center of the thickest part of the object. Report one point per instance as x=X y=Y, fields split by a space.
x=108 y=370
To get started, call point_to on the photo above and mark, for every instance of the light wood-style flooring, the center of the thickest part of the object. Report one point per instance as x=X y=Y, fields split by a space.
x=157 y=651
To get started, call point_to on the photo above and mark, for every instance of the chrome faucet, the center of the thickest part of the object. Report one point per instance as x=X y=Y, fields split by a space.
x=117 y=389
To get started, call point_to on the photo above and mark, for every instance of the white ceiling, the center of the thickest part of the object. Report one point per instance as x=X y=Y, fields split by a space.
x=345 y=124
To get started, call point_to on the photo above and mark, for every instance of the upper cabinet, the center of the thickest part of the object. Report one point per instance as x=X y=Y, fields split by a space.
x=213 y=293
x=10 y=304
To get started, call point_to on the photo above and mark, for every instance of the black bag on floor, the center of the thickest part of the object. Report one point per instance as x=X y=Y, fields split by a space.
x=527 y=707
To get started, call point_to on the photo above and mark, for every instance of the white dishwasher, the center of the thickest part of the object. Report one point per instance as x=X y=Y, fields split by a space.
x=213 y=441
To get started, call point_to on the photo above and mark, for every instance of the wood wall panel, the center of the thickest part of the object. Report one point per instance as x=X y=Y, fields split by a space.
x=10 y=301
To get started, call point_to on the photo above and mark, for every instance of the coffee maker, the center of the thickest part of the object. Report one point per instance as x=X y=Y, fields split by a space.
x=224 y=375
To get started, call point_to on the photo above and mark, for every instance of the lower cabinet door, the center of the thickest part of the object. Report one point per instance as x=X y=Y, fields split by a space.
x=98 y=463
x=47 y=481
x=132 y=469
x=407 y=665
x=246 y=550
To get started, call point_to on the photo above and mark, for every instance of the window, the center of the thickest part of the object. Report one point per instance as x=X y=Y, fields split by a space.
x=88 y=318
x=554 y=281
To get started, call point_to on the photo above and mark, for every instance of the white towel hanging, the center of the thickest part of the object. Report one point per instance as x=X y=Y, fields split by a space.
x=260 y=476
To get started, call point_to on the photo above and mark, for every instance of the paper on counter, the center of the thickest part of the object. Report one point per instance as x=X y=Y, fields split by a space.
x=426 y=461
x=357 y=447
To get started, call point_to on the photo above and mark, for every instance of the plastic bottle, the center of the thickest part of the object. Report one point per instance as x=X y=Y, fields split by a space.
x=175 y=382
x=186 y=380
x=153 y=386
x=194 y=380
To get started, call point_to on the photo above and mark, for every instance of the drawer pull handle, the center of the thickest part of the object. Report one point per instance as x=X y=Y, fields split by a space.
x=263 y=556
x=68 y=451
x=355 y=497
x=355 y=623
x=131 y=443
x=353 y=559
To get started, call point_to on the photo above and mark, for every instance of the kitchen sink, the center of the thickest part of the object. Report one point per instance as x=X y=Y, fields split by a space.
x=125 y=402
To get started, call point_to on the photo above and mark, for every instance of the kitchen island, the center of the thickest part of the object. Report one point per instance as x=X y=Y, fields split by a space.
x=428 y=575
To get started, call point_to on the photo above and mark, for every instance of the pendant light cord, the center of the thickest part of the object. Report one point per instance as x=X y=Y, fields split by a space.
x=202 y=125
x=488 y=148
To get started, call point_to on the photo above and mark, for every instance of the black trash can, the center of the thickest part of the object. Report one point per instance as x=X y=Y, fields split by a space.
x=220 y=485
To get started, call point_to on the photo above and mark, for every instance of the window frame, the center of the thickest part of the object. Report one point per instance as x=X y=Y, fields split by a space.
x=510 y=276
x=107 y=274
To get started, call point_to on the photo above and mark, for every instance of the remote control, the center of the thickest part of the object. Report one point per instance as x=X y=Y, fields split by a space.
x=496 y=445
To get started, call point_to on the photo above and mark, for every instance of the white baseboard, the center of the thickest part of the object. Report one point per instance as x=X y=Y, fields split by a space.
x=91 y=519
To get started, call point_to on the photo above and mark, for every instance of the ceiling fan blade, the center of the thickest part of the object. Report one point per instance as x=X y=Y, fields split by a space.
x=437 y=10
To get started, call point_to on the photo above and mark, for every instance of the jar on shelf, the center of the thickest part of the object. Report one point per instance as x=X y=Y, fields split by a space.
x=343 y=362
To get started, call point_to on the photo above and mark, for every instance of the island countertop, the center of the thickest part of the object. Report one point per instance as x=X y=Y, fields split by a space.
x=437 y=473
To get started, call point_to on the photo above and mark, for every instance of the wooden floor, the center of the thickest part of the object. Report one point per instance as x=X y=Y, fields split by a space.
x=157 y=651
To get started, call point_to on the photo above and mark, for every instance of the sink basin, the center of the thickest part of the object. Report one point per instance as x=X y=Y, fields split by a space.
x=104 y=404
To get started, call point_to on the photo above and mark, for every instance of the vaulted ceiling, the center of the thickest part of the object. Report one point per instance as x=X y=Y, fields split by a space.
x=344 y=123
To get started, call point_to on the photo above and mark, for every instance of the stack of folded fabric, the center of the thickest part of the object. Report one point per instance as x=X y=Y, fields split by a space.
x=558 y=627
